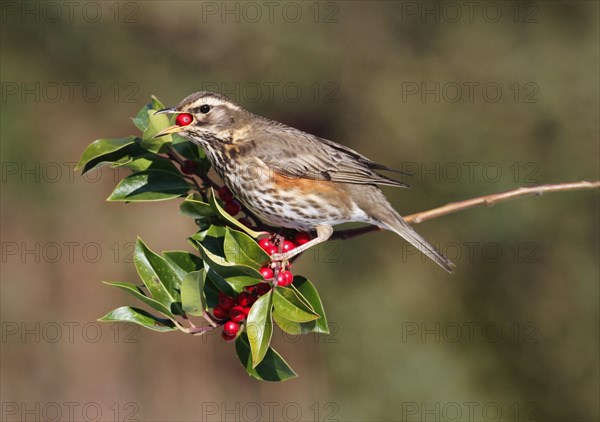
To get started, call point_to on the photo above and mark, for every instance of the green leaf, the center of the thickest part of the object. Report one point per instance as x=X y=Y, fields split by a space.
x=156 y=123
x=291 y=307
x=192 y=295
x=271 y=368
x=211 y=239
x=309 y=293
x=231 y=220
x=141 y=118
x=147 y=162
x=286 y=325
x=156 y=103
x=183 y=262
x=227 y=269
x=194 y=207
x=150 y=185
x=139 y=316
x=190 y=151
x=161 y=280
x=102 y=149
x=137 y=292
x=259 y=326
x=211 y=292
x=240 y=248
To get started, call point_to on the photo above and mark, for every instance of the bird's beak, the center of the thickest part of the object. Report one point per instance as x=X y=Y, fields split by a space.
x=170 y=129
x=169 y=110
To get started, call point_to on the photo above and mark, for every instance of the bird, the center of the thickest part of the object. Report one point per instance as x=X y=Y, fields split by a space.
x=290 y=178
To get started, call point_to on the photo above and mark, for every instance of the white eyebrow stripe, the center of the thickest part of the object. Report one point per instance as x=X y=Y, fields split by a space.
x=213 y=101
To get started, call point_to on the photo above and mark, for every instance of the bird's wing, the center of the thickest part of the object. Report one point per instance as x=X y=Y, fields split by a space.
x=293 y=153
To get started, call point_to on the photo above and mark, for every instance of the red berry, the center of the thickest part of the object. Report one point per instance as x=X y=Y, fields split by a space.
x=183 y=119
x=262 y=288
x=244 y=299
x=231 y=328
x=284 y=278
x=225 y=194
x=266 y=272
x=265 y=244
x=272 y=250
x=233 y=207
x=250 y=289
x=188 y=167
x=225 y=301
x=288 y=246
x=247 y=310
x=237 y=313
x=227 y=337
x=301 y=238
x=220 y=313
x=245 y=221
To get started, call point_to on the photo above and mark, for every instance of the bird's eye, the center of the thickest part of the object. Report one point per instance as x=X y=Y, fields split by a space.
x=204 y=109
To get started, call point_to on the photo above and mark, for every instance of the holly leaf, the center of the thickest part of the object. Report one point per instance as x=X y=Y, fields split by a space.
x=183 y=262
x=291 y=307
x=150 y=185
x=259 y=326
x=147 y=162
x=192 y=295
x=231 y=220
x=156 y=123
x=141 y=118
x=140 y=317
x=240 y=248
x=103 y=150
x=286 y=325
x=159 y=278
x=271 y=368
x=308 y=293
x=138 y=293
x=194 y=207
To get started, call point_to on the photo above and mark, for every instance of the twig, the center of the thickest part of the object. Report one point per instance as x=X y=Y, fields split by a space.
x=489 y=200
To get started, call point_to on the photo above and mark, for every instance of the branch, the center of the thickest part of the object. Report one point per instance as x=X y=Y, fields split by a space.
x=487 y=200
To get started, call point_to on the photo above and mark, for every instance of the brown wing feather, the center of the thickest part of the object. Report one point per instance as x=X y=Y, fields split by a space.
x=293 y=153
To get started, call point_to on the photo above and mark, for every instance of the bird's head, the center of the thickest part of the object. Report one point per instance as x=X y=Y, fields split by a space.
x=204 y=113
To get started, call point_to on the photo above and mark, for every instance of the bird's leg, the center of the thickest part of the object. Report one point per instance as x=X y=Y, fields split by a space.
x=324 y=232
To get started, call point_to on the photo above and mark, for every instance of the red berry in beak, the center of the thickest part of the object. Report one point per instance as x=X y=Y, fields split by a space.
x=183 y=119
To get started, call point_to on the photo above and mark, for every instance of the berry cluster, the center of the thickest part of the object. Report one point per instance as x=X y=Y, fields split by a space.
x=232 y=206
x=284 y=275
x=234 y=310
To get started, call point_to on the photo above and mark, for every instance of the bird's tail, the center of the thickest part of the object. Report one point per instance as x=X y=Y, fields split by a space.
x=399 y=226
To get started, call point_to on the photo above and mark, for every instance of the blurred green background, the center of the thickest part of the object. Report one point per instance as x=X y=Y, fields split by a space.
x=473 y=99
